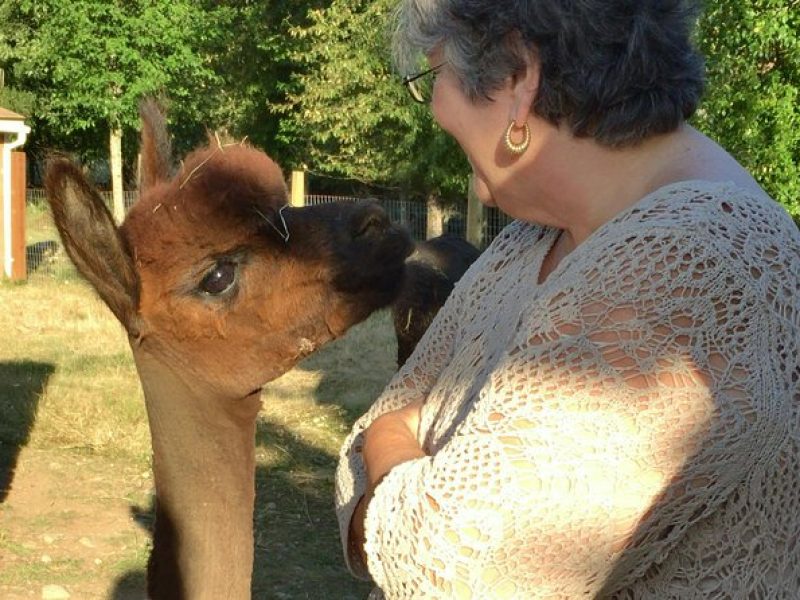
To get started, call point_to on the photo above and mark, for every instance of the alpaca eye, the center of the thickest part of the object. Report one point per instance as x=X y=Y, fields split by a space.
x=220 y=279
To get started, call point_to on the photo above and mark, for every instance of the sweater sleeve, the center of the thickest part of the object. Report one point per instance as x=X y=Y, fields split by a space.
x=627 y=408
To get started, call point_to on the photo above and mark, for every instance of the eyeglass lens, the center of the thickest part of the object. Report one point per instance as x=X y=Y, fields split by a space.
x=421 y=88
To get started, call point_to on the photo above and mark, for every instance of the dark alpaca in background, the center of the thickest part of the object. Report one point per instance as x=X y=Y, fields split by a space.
x=431 y=272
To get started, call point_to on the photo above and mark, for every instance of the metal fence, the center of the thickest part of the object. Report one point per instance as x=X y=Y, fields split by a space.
x=46 y=258
x=44 y=255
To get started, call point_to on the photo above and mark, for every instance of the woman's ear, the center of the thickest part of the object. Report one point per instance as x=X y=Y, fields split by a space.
x=525 y=86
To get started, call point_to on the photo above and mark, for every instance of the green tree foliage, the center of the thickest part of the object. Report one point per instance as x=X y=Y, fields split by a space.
x=252 y=56
x=19 y=101
x=89 y=62
x=752 y=106
x=348 y=115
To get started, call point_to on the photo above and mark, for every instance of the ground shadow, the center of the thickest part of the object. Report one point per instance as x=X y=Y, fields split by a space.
x=297 y=548
x=21 y=384
x=131 y=586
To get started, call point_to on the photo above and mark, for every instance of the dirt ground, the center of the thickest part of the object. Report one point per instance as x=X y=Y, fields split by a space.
x=68 y=522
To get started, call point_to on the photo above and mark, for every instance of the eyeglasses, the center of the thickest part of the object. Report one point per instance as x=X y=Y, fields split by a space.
x=420 y=86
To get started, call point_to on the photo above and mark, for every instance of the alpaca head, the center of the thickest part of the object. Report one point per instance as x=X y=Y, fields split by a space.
x=213 y=274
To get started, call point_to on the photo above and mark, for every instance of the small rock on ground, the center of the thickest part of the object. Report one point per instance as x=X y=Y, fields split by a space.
x=54 y=592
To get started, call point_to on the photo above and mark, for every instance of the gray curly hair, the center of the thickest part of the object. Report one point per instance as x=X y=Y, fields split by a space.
x=617 y=71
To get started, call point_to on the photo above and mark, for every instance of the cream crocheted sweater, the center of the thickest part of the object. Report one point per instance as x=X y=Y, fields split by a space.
x=630 y=428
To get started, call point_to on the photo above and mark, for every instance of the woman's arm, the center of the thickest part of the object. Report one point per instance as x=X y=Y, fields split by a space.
x=390 y=440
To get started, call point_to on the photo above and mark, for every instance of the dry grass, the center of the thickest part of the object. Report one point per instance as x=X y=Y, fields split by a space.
x=69 y=394
x=91 y=398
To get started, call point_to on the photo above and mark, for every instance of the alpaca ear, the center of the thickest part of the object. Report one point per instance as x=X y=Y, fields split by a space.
x=93 y=241
x=156 y=148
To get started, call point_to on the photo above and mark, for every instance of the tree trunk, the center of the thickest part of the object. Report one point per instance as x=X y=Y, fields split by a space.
x=434 y=221
x=115 y=142
x=474 y=218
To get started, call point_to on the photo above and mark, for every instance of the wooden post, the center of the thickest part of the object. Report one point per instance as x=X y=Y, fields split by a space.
x=12 y=229
x=298 y=197
x=18 y=264
x=433 y=223
x=4 y=212
x=475 y=218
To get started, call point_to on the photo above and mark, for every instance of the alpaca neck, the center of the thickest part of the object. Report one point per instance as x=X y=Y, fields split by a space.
x=203 y=466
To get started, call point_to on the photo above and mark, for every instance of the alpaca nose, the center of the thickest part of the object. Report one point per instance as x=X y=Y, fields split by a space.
x=368 y=220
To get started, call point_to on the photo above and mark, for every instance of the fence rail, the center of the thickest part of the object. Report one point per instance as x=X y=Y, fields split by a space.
x=46 y=258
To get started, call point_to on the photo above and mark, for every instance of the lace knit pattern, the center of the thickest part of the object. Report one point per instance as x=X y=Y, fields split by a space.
x=627 y=429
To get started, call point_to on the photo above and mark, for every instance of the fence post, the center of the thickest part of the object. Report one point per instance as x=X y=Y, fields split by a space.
x=4 y=212
x=433 y=224
x=298 y=197
x=474 y=217
x=19 y=268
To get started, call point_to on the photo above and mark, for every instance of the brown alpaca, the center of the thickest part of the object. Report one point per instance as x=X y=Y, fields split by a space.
x=216 y=302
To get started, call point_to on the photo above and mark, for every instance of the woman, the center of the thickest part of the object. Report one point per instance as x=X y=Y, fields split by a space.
x=607 y=406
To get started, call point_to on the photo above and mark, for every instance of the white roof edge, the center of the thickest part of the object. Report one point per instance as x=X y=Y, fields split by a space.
x=14 y=127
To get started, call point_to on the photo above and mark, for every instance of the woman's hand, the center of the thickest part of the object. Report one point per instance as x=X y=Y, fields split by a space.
x=390 y=440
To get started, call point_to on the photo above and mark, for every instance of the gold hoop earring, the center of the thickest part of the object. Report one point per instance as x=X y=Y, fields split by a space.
x=513 y=147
